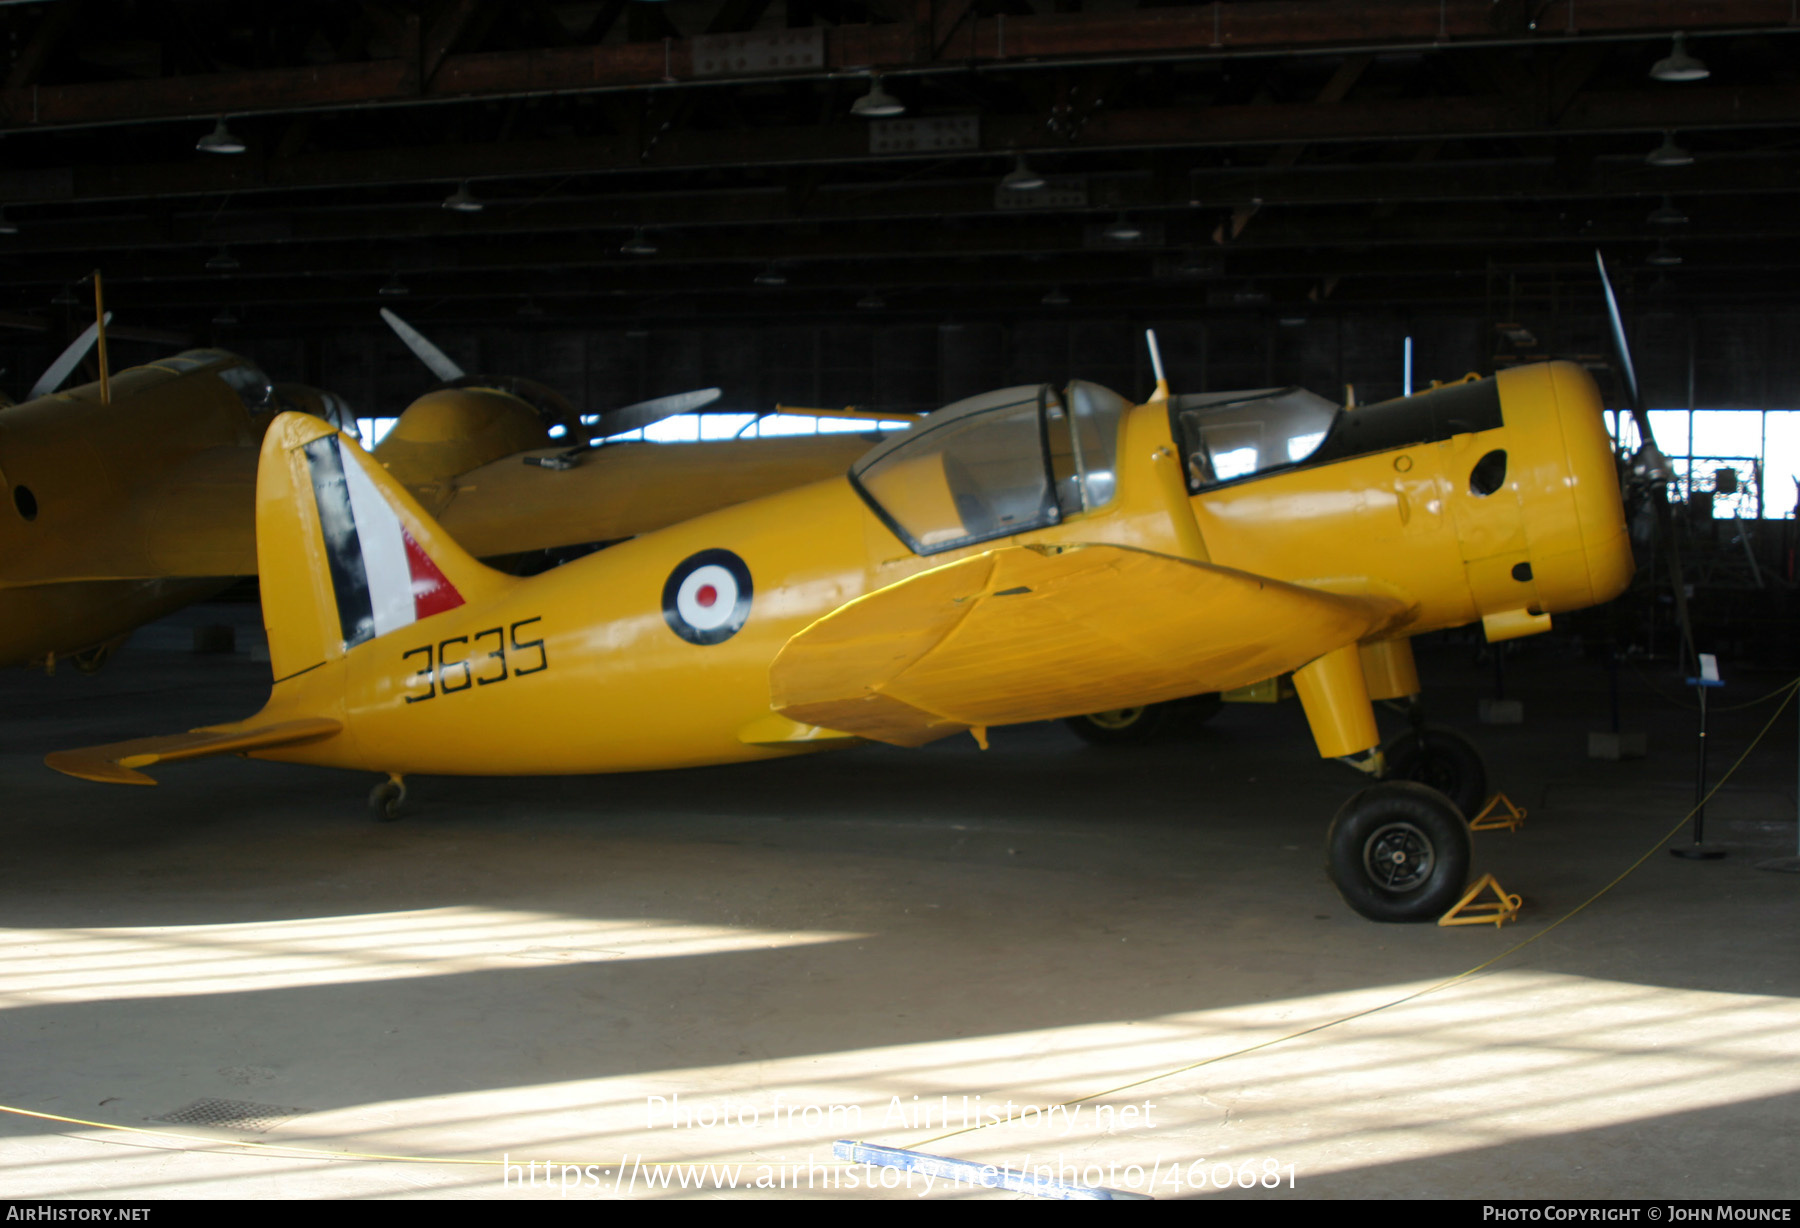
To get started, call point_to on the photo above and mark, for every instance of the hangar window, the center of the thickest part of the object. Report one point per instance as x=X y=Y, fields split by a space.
x=1742 y=463
x=1233 y=435
x=996 y=464
x=717 y=425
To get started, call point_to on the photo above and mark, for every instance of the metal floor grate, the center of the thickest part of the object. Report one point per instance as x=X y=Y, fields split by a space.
x=232 y=1115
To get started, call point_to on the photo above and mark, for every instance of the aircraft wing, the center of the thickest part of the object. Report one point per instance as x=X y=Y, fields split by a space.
x=1030 y=633
x=118 y=762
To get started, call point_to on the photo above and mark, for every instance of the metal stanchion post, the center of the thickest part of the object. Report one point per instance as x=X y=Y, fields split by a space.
x=1699 y=850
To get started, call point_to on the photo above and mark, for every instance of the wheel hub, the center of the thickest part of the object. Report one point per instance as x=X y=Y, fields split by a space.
x=1398 y=856
x=1117 y=718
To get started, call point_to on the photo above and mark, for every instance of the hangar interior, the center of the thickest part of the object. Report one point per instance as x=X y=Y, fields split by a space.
x=240 y=984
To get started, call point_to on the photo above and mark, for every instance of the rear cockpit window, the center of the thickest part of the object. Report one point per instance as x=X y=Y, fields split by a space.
x=1084 y=435
x=996 y=464
x=1233 y=435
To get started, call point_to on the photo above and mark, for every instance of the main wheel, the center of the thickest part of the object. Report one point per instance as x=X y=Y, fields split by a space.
x=386 y=798
x=1398 y=851
x=1445 y=760
x=1121 y=726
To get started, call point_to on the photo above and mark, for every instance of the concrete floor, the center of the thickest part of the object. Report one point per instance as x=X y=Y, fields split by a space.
x=518 y=968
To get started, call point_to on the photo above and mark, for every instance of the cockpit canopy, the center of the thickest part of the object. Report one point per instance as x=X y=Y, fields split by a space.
x=997 y=464
x=1230 y=435
x=239 y=374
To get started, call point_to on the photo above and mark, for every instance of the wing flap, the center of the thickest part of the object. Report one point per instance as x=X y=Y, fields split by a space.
x=1032 y=633
x=118 y=762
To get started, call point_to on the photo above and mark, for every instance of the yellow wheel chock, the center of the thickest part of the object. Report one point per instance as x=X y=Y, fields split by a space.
x=1512 y=819
x=1470 y=911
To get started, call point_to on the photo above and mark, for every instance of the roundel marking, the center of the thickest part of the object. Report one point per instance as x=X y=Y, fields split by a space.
x=706 y=599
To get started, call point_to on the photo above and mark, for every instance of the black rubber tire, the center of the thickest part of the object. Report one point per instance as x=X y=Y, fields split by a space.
x=386 y=798
x=1122 y=726
x=1398 y=851
x=1443 y=759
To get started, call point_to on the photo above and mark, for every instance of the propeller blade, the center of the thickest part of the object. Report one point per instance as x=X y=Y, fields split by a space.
x=1649 y=464
x=439 y=362
x=1652 y=467
x=1621 y=349
x=66 y=362
x=629 y=418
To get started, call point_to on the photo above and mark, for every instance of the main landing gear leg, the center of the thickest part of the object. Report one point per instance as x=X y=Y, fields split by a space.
x=1426 y=754
x=386 y=798
x=1398 y=850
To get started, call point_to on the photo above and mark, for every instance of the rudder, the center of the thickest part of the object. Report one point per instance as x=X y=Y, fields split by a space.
x=345 y=554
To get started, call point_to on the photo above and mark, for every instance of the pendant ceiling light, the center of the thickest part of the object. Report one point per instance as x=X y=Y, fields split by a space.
x=877 y=103
x=463 y=201
x=220 y=140
x=1021 y=178
x=1678 y=65
x=1669 y=153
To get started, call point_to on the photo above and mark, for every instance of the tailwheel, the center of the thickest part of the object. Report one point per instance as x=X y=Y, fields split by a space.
x=1137 y=726
x=1120 y=726
x=1442 y=758
x=1398 y=851
x=386 y=798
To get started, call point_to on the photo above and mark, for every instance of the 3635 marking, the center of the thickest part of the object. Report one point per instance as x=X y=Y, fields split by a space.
x=442 y=673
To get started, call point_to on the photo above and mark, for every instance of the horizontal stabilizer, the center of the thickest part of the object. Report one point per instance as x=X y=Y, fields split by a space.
x=777 y=730
x=118 y=762
x=1030 y=633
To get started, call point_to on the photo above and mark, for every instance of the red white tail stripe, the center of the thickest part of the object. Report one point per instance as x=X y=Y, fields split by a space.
x=404 y=584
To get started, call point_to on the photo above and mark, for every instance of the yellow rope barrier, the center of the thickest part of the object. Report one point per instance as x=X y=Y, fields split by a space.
x=256 y=1146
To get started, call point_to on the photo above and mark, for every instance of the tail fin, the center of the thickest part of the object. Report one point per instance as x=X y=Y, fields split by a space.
x=345 y=553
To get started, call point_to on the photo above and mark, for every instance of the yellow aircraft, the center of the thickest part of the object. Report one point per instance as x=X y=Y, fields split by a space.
x=508 y=466
x=122 y=495
x=134 y=495
x=1023 y=555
